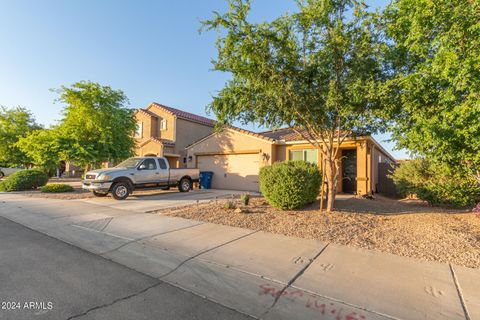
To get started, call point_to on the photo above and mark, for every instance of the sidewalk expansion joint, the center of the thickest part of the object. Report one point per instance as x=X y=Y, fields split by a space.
x=105 y=305
x=205 y=251
x=295 y=277
x=459 y=291
x=149 y=236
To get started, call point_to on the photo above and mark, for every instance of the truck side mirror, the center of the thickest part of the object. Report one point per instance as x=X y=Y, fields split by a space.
x=142 y=167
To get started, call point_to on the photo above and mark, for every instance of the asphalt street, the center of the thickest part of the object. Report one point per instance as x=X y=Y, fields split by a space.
x=44 y=278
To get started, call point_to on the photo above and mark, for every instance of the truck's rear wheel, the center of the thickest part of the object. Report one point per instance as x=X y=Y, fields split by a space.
x=99 y=194
x=120 y=191
x=2 y=174
x=185 y=185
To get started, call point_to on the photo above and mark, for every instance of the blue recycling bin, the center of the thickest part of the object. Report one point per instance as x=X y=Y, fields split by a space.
x=206 y=179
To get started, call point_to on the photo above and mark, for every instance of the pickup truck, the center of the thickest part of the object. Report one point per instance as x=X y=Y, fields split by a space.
x=138 y=173
x=4 y=172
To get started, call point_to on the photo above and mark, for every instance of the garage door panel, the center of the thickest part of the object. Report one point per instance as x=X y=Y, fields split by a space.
x=233 y=171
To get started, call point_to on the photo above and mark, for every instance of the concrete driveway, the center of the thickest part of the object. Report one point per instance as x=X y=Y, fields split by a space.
x=151 y=201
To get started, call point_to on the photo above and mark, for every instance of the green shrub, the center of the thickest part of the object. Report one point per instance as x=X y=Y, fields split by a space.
x=290 y=184
x=245 y=199
x=436 y=183
x=57 y=188
x=24 y=180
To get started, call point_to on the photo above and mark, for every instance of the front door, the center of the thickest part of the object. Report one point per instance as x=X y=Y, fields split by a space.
x=349 y=171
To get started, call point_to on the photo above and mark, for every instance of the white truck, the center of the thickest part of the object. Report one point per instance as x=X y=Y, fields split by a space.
x=5 y=172
x=138 y=173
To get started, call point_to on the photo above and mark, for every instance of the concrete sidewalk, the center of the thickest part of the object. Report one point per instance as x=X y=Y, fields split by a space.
x=260 y=274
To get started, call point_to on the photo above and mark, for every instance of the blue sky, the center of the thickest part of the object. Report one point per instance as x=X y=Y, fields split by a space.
x=150 y=49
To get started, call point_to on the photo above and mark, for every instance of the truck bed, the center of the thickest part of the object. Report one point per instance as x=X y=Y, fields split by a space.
x=176 y=174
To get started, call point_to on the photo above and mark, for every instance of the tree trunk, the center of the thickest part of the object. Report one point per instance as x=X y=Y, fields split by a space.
x=330 y=175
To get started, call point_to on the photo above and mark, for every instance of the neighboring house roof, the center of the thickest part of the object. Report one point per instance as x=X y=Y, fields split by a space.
x=163 y=142
x=183 y=114
x=147 y=113
x=244 y=131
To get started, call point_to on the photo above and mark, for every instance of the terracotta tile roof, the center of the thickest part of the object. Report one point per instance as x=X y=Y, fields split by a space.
x=288 y=134
x=253 y=134
x=185 y=115
x=248 y=132
x=164 y=142
x=147 y=112
x=277 y=134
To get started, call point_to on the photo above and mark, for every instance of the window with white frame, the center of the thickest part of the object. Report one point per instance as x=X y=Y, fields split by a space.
x=308 y=155
x=139 y=129
x=163 y=124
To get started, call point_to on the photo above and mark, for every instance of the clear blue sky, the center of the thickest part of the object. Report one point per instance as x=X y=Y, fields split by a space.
x=150 y=49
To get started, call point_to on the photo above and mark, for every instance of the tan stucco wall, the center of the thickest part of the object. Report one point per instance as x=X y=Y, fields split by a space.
x=150 y=148
x=187 y=133
x=168 y=134
x=280 y=152
x=230 y=141
x=148 y=125
x=363 y=167
x=375 y=162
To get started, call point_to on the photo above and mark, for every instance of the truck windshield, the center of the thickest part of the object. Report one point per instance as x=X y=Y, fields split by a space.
x=129 y=163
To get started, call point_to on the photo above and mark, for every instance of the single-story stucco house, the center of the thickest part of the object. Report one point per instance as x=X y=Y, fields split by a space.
x=235 y=156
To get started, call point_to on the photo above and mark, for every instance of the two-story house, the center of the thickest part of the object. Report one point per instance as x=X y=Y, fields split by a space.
x=166 y=131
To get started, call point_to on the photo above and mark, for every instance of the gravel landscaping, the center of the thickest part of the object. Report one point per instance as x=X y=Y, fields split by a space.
x=402 y=227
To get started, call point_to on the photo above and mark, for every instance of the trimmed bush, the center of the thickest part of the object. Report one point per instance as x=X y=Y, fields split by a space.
x=57 y=188
x=24 y=180
x=437 y=184
x=290 y=184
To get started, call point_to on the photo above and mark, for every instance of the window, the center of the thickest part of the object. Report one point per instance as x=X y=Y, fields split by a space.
x=311 y=156
x=308 y=155
x=296 y=155
x=162 y=163
x=163 y=124
x=139 y=129
x=129 y=163
x=150 y=164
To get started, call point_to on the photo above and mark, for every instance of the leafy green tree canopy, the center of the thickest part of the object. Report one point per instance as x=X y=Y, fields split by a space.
x=435 y=55
x=318 y=70
x=14 y=124
x=96 y=124
x=43 y=147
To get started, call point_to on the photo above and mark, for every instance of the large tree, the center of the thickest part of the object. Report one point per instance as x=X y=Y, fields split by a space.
x=14 y=124
x=317 y=70
x=43 y=147
x=435 y=53
x=96 y=124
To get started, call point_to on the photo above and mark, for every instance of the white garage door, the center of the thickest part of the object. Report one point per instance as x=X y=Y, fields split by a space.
x=233 y=171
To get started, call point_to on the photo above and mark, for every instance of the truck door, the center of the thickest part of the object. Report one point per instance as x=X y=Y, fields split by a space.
x=147 y=172
x=163 y=173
